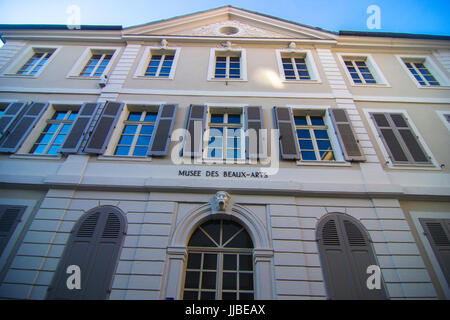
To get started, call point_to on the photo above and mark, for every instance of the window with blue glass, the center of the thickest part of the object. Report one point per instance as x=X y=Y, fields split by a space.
x=359 y=71
x=421 y=73
x=54 y=133
x=96 y=64
x=136 y=134
x=36 y=62
x=225 y=140
x=295 y=68
x=160 y=65
x=227 y=67
x=313 y=138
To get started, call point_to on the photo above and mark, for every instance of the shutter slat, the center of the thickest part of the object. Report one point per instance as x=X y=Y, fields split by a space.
x=22 y=127
x=255 y=147
x=87 y=228
x=112 y=227
x=9 y=218
x=330 y=235
x=354 y=235
x=11 y=113
x=346 y=135
x=289 y=147
x=79 y=128
x=195 y=126
x=104 y=127
x=163 y=128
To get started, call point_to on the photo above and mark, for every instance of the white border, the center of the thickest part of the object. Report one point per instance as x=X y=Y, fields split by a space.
x=145 y=59
x=212 y=60
x=371 y=64
x=384 y=152
x=441 y=114
x=415 y=215
x=431 y=66
x=310 y=63
x=27 y=53
x=74 y=73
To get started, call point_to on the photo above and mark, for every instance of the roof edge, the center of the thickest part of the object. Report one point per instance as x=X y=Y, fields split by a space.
x=58 y=27
x=393 y=35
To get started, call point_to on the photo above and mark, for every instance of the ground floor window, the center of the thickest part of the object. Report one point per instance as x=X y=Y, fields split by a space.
x=220 y=263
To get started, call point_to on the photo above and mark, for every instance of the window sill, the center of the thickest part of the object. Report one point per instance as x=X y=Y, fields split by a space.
x=302 y=81
x=36 y=156
x=324 y=163
x=227 y=80
x=124 y=158
x=433 y=87
x=406 y=166
x=21 y=76
x=152 y=78
x=374 y=85
x=223 y=161
x=84 y=78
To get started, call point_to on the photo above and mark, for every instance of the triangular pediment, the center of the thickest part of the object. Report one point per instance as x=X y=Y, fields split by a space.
x=229 y=22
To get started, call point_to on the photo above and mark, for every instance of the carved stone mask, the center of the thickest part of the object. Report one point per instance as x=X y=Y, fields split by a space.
x=221 y=200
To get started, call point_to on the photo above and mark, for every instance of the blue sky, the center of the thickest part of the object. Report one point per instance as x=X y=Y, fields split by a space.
x=413 y=16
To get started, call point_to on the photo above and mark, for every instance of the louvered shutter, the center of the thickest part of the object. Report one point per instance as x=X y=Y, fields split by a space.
x=104 y=128
x=12 y=112
x=79 y=128
x=22 y=127
x=346 y=135
x=9 y=218
x=255 y=142
x=400 y=141
x=195 y=126
x=289 y=147
x=437 y=232
x=163 y=128
x=94 y=246
x=346 y=253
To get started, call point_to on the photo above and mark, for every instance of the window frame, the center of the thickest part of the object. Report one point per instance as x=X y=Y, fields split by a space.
x=16 y=65
x=80 y=64
x=146 y=57
x=338 y=153
x=373 y=67
x=225 y=109
x=310 y=64
x=431 y=66
x=442 y=115
x=433 y=165
x=227 y=52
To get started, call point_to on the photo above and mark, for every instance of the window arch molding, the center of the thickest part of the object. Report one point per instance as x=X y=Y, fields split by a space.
x=346 y=250
x=94 y=247
x=258 y=231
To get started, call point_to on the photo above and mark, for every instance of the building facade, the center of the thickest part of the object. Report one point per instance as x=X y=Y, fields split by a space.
x=224 y=154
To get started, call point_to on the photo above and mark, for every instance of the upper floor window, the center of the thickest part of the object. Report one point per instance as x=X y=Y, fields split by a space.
x=160 y=65
x=227 y=65
x=423 y=71
x=361 y=69
x=225 y=140
x=96 y=65
x=157 y=63
x=55 y=132
x=297 y=65
x=137 y=133
x=36 y=62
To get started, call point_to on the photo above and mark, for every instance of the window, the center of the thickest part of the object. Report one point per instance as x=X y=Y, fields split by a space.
x=220 y=263
x=359 y=71
x=36 y=62
x=96 y=65
x=160 y=65
x=227 y=65
x=94 y=246
x=345 y=253
x=157 y=63
x=297 y=65
x=54 y=133
x=137 y=133
x=225 y=140
x=9 y=219
x=423 y=71
x=401 y=142
x=445 y=117
x=313 y=138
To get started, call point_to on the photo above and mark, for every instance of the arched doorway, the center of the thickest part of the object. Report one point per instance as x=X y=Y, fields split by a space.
x=220 y=263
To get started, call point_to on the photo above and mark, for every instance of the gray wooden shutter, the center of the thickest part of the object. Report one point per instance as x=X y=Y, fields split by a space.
x=104 y=128
x=255 y=147
x=94 y=246
x=437 y=232
x=289 y=147
x=195 y=125
x=79 y=128
x=9 y=218
x=401 y=143
x=346 y=135
x=22 y=127
x=163 y=128
x=346 y=252
x=12 y=112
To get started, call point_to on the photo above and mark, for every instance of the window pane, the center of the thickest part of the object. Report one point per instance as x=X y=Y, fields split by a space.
x=229 y=281
x=190 y=295
x=308 y=155
x=39 y=149
x=65 y=128
x=151 y=116
x=320 y=134
x=229 y=261
x=215 y=142
x=192 y=279
x=205 y=295
x=122 y=151
x=73 y=115
x=126 y=140
x=245 y=262
x=245 y=296
x=44 y=138
x=242 y=240
x=208 y=280
x=304 y=134
x=143 y=141
x=217 y=118
x=300 y=121
x=51 y=128
x=317 y=121
x=59 y=139
x=147 y=129
x=130 y=129
x=59 y=115
x=324 y=144
x=140 y=151
x=53 y=150
x=210 y=261
x=306 y=145
x=229 y=296
x=194 y=261
x=245 y=281
x=134 y=116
